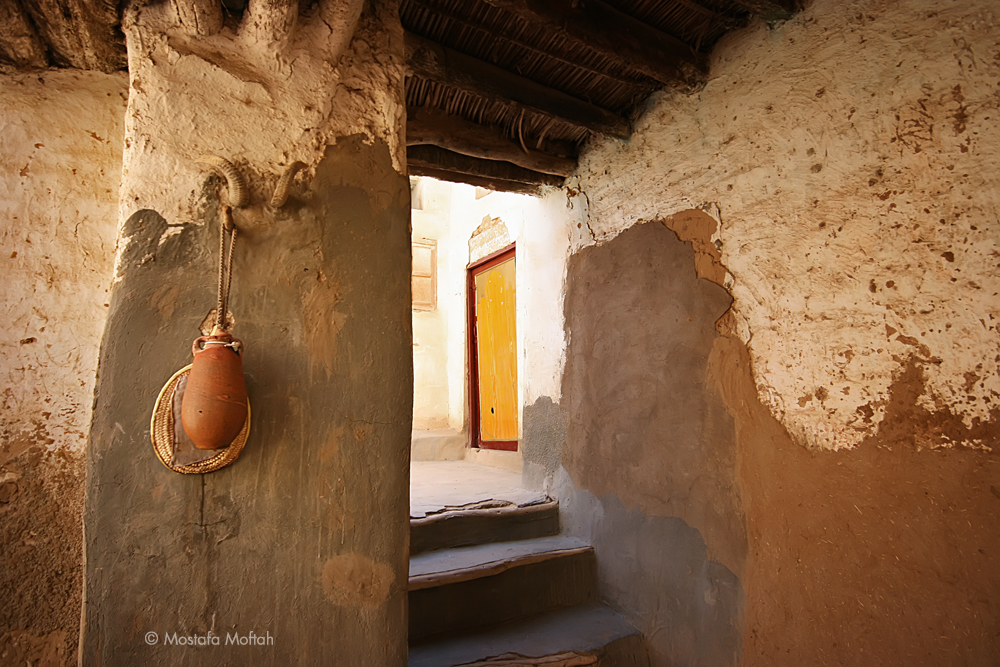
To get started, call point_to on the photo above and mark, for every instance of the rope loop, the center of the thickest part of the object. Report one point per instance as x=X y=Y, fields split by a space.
x=225 y=267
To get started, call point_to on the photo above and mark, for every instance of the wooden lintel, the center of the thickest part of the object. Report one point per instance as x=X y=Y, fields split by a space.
x=439 y=158
x=431 y=61
x=426 y=126
x=769 y=10
x=613 y=34
x=497 y=184
x=506 y=511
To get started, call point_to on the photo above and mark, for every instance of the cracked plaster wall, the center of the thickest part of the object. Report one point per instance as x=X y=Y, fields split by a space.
x=61 y=138
x=261 y=104
x=850 y=160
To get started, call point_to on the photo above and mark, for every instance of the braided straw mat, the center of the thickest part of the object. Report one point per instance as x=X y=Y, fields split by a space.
x=161 y=428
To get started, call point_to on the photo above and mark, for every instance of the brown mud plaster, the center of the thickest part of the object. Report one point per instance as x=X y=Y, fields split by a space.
x=697 y=227
x=351 y=580
x=23 y=648
x=331 y=448
x=322 y=323
x=908 y=423
x=884 y=554
x=41 y=547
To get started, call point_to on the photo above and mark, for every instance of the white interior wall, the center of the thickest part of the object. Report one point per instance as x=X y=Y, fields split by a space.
x=540 y=227
x=431 y=384
x=61 y=137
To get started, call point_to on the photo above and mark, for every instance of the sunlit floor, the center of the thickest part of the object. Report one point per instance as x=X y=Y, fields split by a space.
x=437 y=486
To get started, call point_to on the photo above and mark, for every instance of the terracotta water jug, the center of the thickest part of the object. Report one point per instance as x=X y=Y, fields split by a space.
x=214 y=406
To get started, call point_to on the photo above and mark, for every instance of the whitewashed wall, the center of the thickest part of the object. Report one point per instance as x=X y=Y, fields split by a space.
x=61 y=141
x=851 y=158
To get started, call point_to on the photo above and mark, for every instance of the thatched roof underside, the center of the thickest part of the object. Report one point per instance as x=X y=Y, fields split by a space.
x=560 y=48
x=499 y=93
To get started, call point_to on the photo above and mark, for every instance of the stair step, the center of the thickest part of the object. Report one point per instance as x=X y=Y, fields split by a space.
x=444 y=562
x=590 y=629
x=483 y=526
x=456 y=590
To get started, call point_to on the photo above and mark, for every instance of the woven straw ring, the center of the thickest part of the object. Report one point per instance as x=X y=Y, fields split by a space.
x=161 y=429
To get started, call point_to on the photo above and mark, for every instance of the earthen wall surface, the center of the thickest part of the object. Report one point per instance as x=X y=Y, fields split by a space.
x=849 y=157
x=837 y=177
x=648 y=472
x=303 y=539
x=61 y=138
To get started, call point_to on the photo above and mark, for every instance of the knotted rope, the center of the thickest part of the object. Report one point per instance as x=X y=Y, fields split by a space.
x=225 y=268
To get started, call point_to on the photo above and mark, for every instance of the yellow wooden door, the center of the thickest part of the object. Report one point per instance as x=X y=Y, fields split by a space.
x=496 y=342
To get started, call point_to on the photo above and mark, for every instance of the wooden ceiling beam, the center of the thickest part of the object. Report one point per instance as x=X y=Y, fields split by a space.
x=631 y=80
x=769 y=10
x=433 y=127
x=433 y=157
x=614 y=34
x=428 y=60
x=480 y=181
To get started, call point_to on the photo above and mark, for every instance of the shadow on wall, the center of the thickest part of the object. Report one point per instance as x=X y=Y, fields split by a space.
x=642 y=452
x=657 y=571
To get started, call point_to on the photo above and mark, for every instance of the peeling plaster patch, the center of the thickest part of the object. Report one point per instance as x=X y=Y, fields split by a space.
x=352 y=580
x=322 y=323
x=165 y=300
x=701 y=230
x=909 y=422
x=641 y=423
x=14 y=443
x=170 y=232
x=898 y=228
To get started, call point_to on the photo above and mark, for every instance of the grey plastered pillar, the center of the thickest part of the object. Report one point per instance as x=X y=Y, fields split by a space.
x=304 y=539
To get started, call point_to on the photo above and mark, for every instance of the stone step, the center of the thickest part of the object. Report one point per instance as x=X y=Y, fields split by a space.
x=590 y=630
x=460 y=589
x=483 y=526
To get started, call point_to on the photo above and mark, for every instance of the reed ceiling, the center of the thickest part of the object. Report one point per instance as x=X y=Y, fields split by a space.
x=499 y=93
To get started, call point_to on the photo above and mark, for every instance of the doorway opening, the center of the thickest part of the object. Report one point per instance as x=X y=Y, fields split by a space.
x=466 y=398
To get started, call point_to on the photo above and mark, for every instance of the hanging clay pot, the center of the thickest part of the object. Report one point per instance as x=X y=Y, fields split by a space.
x=214 y=406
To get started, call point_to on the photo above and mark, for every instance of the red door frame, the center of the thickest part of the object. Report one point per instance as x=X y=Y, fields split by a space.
x=474 y=269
